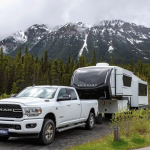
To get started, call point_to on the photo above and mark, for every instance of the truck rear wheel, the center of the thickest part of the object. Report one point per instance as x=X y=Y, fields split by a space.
x=98 y=120
x=48 y=132
x=90 y=121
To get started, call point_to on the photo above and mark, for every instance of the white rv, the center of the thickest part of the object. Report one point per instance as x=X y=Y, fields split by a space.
x=114 y=87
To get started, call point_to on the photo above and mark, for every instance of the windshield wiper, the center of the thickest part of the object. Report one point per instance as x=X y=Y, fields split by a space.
x=41 y=97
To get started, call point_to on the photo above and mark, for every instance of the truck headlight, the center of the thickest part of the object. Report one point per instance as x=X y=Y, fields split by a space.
x=32 y=111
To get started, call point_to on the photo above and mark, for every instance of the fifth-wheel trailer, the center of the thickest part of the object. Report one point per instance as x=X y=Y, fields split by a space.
x=114 y=87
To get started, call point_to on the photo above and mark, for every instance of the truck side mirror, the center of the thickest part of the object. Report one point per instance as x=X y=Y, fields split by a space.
x=65 y=97
x=13 y=95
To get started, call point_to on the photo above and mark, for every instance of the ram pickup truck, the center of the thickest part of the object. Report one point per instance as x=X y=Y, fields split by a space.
x=40 y=111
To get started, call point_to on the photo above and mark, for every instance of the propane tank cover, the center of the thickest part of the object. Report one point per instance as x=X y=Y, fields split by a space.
x=102 y=64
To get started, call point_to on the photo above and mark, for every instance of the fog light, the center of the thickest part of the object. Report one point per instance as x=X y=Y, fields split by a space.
x=31 y=125
x=17 y=127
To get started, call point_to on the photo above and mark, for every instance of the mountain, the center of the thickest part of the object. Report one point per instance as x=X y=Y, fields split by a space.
x=116 y=39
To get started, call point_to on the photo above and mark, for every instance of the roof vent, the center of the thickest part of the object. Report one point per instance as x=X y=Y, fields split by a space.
x=102 y=64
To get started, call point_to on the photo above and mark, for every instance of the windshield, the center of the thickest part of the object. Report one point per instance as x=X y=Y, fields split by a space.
x=38 y=92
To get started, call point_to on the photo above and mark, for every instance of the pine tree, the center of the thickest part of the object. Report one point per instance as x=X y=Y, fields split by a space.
x=19 y=53
x=81 y=62
x=131 y=66
x=111 y=62
x=62 y=70
x=55 y=73
x=14 y=89
x=45 y=64
x=26 y=50
x=93 y=61
x=101 y=59
x=1 y=71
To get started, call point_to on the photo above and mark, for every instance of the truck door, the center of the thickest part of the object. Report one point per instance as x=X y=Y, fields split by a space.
x=64 y=108
x=75 y=106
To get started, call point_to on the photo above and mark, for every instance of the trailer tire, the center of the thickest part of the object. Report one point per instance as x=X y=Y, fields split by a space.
x=4 y=138
x=98 y=120
x=90 y=121
x=109 y=116
x=47 y=132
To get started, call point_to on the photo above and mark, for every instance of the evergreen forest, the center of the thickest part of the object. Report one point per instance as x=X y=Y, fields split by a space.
x=24 y=70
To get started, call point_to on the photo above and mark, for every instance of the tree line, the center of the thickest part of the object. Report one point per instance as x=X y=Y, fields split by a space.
x=24 y=70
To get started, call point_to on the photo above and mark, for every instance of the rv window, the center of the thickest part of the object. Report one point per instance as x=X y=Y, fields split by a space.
x=127 y=81
x=90 y=77
x=142 y=89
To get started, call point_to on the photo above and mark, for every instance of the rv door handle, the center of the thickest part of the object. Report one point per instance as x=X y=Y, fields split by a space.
x=68 y=104
x=78 y=103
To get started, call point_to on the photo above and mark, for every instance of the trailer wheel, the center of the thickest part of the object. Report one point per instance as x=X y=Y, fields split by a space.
x=98 y=120
x=4 y=138
x=109 y=116
x=90 y=121
x=48 y=132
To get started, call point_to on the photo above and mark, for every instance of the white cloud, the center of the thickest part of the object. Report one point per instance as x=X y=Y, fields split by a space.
x=20 y=14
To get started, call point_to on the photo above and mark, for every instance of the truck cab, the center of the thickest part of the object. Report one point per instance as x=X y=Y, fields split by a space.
x=39 y=111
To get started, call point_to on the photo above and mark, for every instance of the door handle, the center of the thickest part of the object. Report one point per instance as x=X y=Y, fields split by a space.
x=79 y=104
x=68 y=104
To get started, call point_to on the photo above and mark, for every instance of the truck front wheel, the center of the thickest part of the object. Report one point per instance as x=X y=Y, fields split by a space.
x=4 y=138
x=90 y=121
x=48 y=132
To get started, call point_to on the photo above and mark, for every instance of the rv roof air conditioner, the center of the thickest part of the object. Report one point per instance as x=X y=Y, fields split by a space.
x=102 y=64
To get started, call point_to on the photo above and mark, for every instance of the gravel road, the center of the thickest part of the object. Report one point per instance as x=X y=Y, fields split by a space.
x=62 y=140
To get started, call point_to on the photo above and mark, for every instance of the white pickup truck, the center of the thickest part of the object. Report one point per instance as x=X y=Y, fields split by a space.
x=39 y=111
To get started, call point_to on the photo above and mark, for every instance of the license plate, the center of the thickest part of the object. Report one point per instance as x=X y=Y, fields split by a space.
x=3 y=131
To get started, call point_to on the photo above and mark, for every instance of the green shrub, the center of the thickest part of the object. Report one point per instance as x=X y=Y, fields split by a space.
x=132 y=121
x=4 y=96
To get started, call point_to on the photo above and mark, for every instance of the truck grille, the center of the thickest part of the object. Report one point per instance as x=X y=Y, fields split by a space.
x=11 y=111
x=10 y=126
x=7 y=126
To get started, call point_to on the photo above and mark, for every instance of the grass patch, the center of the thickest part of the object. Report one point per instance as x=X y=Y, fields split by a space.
x=138 y=140
x=120 y=144
x=107 y=143
x=134 y=132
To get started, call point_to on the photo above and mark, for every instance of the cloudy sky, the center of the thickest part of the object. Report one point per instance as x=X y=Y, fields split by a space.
x=20 y=14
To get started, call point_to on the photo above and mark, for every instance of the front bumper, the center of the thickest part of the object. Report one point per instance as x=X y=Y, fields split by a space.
x=24 y=129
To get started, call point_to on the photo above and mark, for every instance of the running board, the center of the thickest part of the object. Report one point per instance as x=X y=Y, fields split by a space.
x=71 y=127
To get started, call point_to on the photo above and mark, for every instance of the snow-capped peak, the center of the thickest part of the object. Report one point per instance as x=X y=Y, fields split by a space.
x=110 y=22
x=78 y=24
x=41 y=26
x=20 y=37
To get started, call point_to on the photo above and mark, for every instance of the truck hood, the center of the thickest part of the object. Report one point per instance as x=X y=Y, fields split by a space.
x=25 y=100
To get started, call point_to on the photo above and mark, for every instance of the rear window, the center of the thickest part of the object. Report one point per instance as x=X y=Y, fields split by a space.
x=72 y=93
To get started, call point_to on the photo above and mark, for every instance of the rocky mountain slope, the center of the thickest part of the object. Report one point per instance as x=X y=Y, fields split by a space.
x=114 y=39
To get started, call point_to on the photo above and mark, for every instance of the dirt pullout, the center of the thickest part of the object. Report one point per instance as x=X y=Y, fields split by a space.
x=62 y=140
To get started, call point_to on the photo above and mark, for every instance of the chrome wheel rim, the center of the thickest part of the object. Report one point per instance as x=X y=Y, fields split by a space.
x=49 y=132
x=92 y=121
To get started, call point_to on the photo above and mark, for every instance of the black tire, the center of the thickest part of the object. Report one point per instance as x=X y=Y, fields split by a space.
x=98 y=120
x=44 y=138
x=90 y=121
x=109 y=116
x=4 y=138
